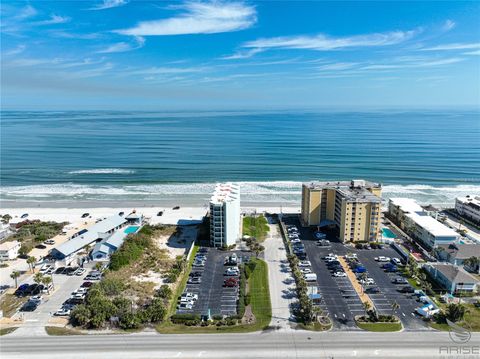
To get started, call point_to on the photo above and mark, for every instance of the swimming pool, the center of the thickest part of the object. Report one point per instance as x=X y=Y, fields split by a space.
x=131 y=229
x=387 y=233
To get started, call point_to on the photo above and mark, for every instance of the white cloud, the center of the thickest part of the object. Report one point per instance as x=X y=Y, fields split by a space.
x=15 y=51
x=454 y=46
x=449 y=25
x=199 y=18
x=108 y=4
x=54 y=19
x=242 y=54
x=26 y=12
x=164 y=70
x=337 y=66
x=323 y=42
x=476 y=52
x=415 y=64
x=123 y=46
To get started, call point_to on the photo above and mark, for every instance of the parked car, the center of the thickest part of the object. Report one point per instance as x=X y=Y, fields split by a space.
x=195 y=274
x=194 y=280
x=306 y=270
x=21 y=290
x=407 y=289
x=303 y=264
x=372 y=290
x=86 y=284
x=49 y=242
x=185 y=306
x=367 y=281
x=400 y=280
x=121 y=214
x=230 y=282
x=25 y=215
x=160 y=213
x=40 y=246
x=28 y=307
x=396 y=261
x=324 y=243
x=37 y=299
x=233 y=271
x=85 y=215
x=382 y=259
x=189 y=295
x=391 y=269
x=176 y=208
x=339 y=274
x=60 y=270
x=79 y=271
x=359 y=269
x=63 y=312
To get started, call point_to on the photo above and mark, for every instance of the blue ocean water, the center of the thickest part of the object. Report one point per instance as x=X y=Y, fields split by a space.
x=117 y=155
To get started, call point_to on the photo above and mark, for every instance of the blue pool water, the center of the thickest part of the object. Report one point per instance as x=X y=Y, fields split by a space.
x=387 y=233
x=131 y=229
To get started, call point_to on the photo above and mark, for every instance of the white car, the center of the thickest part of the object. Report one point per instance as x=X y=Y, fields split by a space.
x=351 y=256
x=36 y=299
x=79 y=271
x=339 y=274
x=304 y=264
x=382 y=259
x=396 y=261
x=189 y=296
x=232 y=271
x=367 y=281
x=330 y=259
x=62 y=312
x=295 y=240
x=49 y=241
x=306 y=270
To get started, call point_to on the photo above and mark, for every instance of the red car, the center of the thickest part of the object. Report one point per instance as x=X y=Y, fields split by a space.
x=86 y=284
x=230 y=282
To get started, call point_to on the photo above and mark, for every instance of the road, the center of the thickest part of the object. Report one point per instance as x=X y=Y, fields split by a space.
x=282 y=291
x=270 y=344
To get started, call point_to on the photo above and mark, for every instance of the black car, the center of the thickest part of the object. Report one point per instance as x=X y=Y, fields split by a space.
x=60 y=270
x=372 y=290
x=28 y=307
x=85 y=215
x=196 y=274
x=159 y=214
x=40 y=246
x=25 y=215
x=70 y=270
x=121 y=214
x=176 y=207
x=407 y=289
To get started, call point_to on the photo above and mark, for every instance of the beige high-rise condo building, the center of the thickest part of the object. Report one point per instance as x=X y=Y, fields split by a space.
x=354 y=207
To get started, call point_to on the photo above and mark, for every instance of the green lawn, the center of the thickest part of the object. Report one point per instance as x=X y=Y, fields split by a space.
x=5 y=331
x=62 y=331
x=380 y=327
x=260 y=301
x=256 y=227
x=471 y=320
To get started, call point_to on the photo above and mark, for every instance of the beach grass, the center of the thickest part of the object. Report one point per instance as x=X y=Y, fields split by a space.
x=9 y=304
x=256 y=227
x=5 y=331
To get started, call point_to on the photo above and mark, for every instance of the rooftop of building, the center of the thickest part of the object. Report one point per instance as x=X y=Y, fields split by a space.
x=225 y=192
x=454 y=273
x=354 y=190
x=473 y=201
x=6 y=246
x=414 y=211
x=461 y=250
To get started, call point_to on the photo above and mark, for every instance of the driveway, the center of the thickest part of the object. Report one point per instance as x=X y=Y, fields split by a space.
x=282 y=291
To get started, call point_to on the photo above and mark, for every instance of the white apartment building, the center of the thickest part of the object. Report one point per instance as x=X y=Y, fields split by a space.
x=414 y=220
x=225 y=215
x=468 y=207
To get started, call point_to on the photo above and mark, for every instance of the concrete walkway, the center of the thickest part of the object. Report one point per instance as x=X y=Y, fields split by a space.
x=281 y=293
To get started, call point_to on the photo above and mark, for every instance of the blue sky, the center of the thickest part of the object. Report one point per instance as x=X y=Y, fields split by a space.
x=142 y=55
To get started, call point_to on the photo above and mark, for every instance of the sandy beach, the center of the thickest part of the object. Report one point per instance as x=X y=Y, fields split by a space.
x=72 y=215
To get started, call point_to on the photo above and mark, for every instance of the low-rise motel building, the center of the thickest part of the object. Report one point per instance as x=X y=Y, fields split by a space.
x=353 y=207
x=225 y=215
x=415 y=221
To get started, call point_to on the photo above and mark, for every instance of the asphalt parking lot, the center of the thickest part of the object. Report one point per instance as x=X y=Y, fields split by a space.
x=389 y=291
x=339 y=298
x=212 y=295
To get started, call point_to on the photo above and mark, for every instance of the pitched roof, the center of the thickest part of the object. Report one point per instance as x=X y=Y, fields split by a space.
x=462 y=251
x=454 y=273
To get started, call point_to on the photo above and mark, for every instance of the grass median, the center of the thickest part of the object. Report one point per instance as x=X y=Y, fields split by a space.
x=380 y=327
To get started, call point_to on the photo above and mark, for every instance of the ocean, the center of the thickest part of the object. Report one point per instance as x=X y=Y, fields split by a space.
x=101 y=156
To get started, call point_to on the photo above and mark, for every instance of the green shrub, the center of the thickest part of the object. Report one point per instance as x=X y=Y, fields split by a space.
x=164 y=292
x=184 y=318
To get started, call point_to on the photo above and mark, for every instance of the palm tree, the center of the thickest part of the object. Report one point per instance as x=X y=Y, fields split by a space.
x=366 y=307
x=472 y=262
x=38 y=278
x=6 y=218
x=395 y=306
x=46 y=280
x=14 y=275
x=31 y=262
